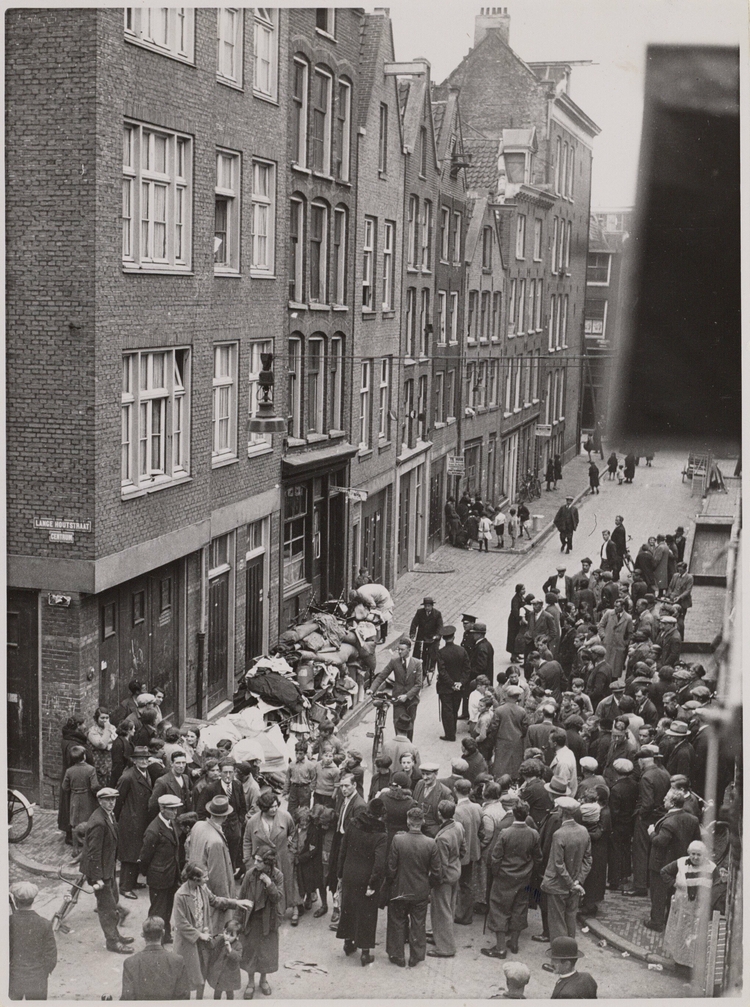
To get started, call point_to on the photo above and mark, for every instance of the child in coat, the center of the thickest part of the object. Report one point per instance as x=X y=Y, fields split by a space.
x=224 y=961
x=82 y=782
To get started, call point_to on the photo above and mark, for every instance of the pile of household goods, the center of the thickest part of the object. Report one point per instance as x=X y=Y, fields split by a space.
x=315 y=672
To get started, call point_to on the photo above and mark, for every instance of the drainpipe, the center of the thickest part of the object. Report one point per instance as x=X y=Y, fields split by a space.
x=201 y=650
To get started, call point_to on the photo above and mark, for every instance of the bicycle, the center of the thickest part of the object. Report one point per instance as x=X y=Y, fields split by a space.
x=424 y=650
x=20 y=816
x=381 y=703
x=70 y=900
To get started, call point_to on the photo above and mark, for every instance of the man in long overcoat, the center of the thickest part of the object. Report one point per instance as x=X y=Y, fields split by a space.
x=231 y=788
x=469 y=815
x=413 y=868
x=32 y=948
x=451 y=844
x=453 y=672
x=406 y=673
x=615 y=630
x=99 y=867
x=510 y=722
x=134 y=787
x=516 y=852
x=209 y=848
x=566 y=522
x=160 y=861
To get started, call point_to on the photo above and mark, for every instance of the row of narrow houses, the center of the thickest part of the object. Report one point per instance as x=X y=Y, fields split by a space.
x=191 y=190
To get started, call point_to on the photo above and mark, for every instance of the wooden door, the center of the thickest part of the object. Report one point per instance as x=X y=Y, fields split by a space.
x=133 y=625
x=254 y=596
x=113 y=687
x=218 y=638
x=23 y=692
x=336 y=545
x=164 y=639
x=404 y=506
x=435 y=529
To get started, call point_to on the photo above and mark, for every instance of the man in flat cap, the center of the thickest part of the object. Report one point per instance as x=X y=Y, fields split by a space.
x=653 y=786
x=425 y=630
x=98 y=865
x=482 y=659
x=32 y=947
x=453 y=674
x=669 y=640
x=160 y=860
x=134 y=793
x=566 y=522
x=154 y=973
x=567 y=868
x=623 y=798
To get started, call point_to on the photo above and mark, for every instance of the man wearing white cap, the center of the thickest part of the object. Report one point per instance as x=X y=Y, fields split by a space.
x=98 y=865
x=428 y=793
x=591 y=779
x=623 y=798
x=32 y=948
x=159 y=859
x=568 y=865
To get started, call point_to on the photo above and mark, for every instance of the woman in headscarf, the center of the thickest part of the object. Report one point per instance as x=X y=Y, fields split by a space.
x=687 y=875
x=72 y=734
x=361 y=868
x=263 y=885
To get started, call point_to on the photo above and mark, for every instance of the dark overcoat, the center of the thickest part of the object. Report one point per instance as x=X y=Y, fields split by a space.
x=132 y=812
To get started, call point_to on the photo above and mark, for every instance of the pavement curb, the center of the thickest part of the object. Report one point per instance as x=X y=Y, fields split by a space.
x=623 y=944
x=34 y=866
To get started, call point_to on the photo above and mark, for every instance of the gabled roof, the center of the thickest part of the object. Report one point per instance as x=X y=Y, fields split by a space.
x=376 y=48
x=416 y=109
x=492 y=40
x=482 y=172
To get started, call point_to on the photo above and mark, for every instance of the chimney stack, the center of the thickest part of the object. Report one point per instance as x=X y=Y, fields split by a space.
x=492 y=19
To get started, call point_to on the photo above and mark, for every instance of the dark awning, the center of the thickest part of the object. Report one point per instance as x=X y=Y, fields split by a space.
x=307 y=462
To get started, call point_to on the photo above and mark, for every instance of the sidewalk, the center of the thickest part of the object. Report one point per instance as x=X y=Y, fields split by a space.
x=620 y=922
x=43 y=852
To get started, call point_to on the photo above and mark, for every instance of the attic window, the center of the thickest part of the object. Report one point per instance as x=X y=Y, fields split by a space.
x=423 y=152
x=515 y=167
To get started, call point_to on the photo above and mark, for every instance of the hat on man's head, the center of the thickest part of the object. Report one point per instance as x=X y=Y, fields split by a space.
x=508 y=800
x=429 y=767
x=692 y=704
x=144 y=699
x=560 y=566
x=667 y=618
x=641 y=680
x=586 y=559
x=403 y=722
x=169 y=801
x=678 y=729
x=401 y=780
x=219 y=806
x=428 y=601
x=700 y=692
x=24 y=891
x=569 y=497
x=588 y=763
x=617 y=686
x=623 y=766
x=459 y=764
x=140 y=752
x=480 y=627
x=647 y=752
x=514 y=690
x=564 y=948
x=557 y=787
x=448 y=631
x=468 y=618
x=597 y=650
x=682 y=674
x=107 y=792
x=567 y=803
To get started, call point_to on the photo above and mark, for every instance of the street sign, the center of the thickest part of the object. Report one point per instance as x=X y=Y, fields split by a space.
x=356 y=496
x=59 y=524
x=456 y=466
x=543 y=430
x=62 y=536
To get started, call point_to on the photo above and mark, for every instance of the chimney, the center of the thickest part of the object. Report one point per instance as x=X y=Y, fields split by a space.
x=492 y=19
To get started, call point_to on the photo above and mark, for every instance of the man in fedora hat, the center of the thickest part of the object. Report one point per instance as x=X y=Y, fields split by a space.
x=209 y=848
x=134 y=790
x=32 y=948
x=99 y=867
x=453 y=674
x=230 y=787
x=571 y=984
x=160 y=860
x=482 y=658
x=555 y=788
x=567 y=868
x=676 y=749
x=425 y=630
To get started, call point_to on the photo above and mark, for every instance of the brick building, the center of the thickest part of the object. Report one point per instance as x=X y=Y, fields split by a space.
x=609 y=230
x=376 y=305
x=145 y=161
x=523 y=113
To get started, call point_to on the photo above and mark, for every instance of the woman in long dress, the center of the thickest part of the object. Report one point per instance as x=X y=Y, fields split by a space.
x=688 y=875
x=514 y=619
x=263 y=886
x=361 y=868
x=272 y=829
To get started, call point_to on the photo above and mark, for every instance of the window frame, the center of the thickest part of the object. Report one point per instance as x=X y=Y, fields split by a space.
x=471 y=315
x=389 y=264
x=453 y=341
x=301 y=103
x=413 y=232
x=269 y=26
x=537 y=239
x=564 y=323
x=589 y=266
x=256 y=443
x=484 y=316
x=369 y=245
x=294 y=387
x=297 y=207
x=384 y=400
x=321 y=144
x=336 y=371
x=365 y=405
x=486 y=248
x=424 y=323
x=257 y=200
x=383 y=139
x=422 y=394
x=497 y=309
x=134 y=32
x=343 y=131
x=568 y=238
x=410 y=323
x=321 y=255
x=426 y=237
x=221 y=455
x=330 y=30
x=237 y=43
x=315 y=385
x=339 y=261
x=438 y=398
x=512 y=307
x=553 y=245
x=231 y=197
x=521 y=327
x=445 y=233
x=442 y=309
x=423 y=152
x=521 y=236
x=457 y=237
x=551 y=323
x=539 y=302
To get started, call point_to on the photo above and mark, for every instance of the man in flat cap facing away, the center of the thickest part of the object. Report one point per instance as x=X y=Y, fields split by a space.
x=453 y=674
x=154 y=973
x=425 y=630
x=159 y=859
x=567 y=868
x=98 y=865
x=32 y=947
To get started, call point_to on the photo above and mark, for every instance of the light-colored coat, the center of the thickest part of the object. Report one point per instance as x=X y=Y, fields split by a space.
x=209 y=848
x=184 y=929
x=661 y=566
x=257 y=840
x=615 y=632
x=83 y=783
x=451 y=844
x=469 y=814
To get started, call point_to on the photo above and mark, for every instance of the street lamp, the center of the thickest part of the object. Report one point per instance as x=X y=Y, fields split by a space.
x=265 y=420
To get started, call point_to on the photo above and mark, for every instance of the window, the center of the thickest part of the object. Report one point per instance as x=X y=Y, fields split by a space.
x=561 y=246
x=384 y=402
x=266 y=48
x=561 y=398
x=389 y=243
x=564 y=323
x=229 y=45
x=568 y=237
x=487 y=248
x=528 y=363
x=553 y=256
x=598 y=267
x=325 y=19
x=425 y=326
x=558 y=163
x=423 y=151
x=521 y=307
x=225 y=402
x=296 y=250
x=564 y=170
x=364 y=405
x=538 y=239
x=383 y=139
x=512 y=308
x=456 y=238
x=535 y=375
x=482 y=384
x=493 y=389
x=517 y=384
x=422 y=408
x=439 y=397
x=508 y=385
x=571 y=172
x=263 y=217
x=539 y=287
x=445 y=233
x=168 y=30
x=532 y=304
x=471 y=321
x=320 y=134
x=109 y=620
x=471 y=384
x=454 y=316
x=412 y=252
x=318 y=252
x=295 y=387
x=336 y=417
x=427 y=236
x=450 y=395
x=155 y=408
x=156 y=198
x=227 y=213
x=408 y=421
x=343 y=130
x=299 y=111
x=368 y=265
x=339 y=255
x=411 y=322
x=555 y=389
x=484 y=332
x=551 y=328
x=294 y=557
x=442 y=309
x=315 y=385
x=496 y=308
x=595 y=320
x=548 y=398
x=255 y=442
x=521 y=236
x=558 y=320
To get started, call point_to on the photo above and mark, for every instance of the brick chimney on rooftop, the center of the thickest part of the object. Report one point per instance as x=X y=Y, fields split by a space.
x=492 y=19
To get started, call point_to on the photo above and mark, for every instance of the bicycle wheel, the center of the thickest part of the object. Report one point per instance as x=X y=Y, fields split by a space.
x=377 y=741
x=20 y=817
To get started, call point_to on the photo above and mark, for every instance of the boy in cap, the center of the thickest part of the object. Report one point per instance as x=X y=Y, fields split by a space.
x=567 y=868
x=571 y=984
x=160 y=860
x=32 y=947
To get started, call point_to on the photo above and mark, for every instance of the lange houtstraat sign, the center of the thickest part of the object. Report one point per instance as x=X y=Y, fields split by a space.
x=61 y=524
